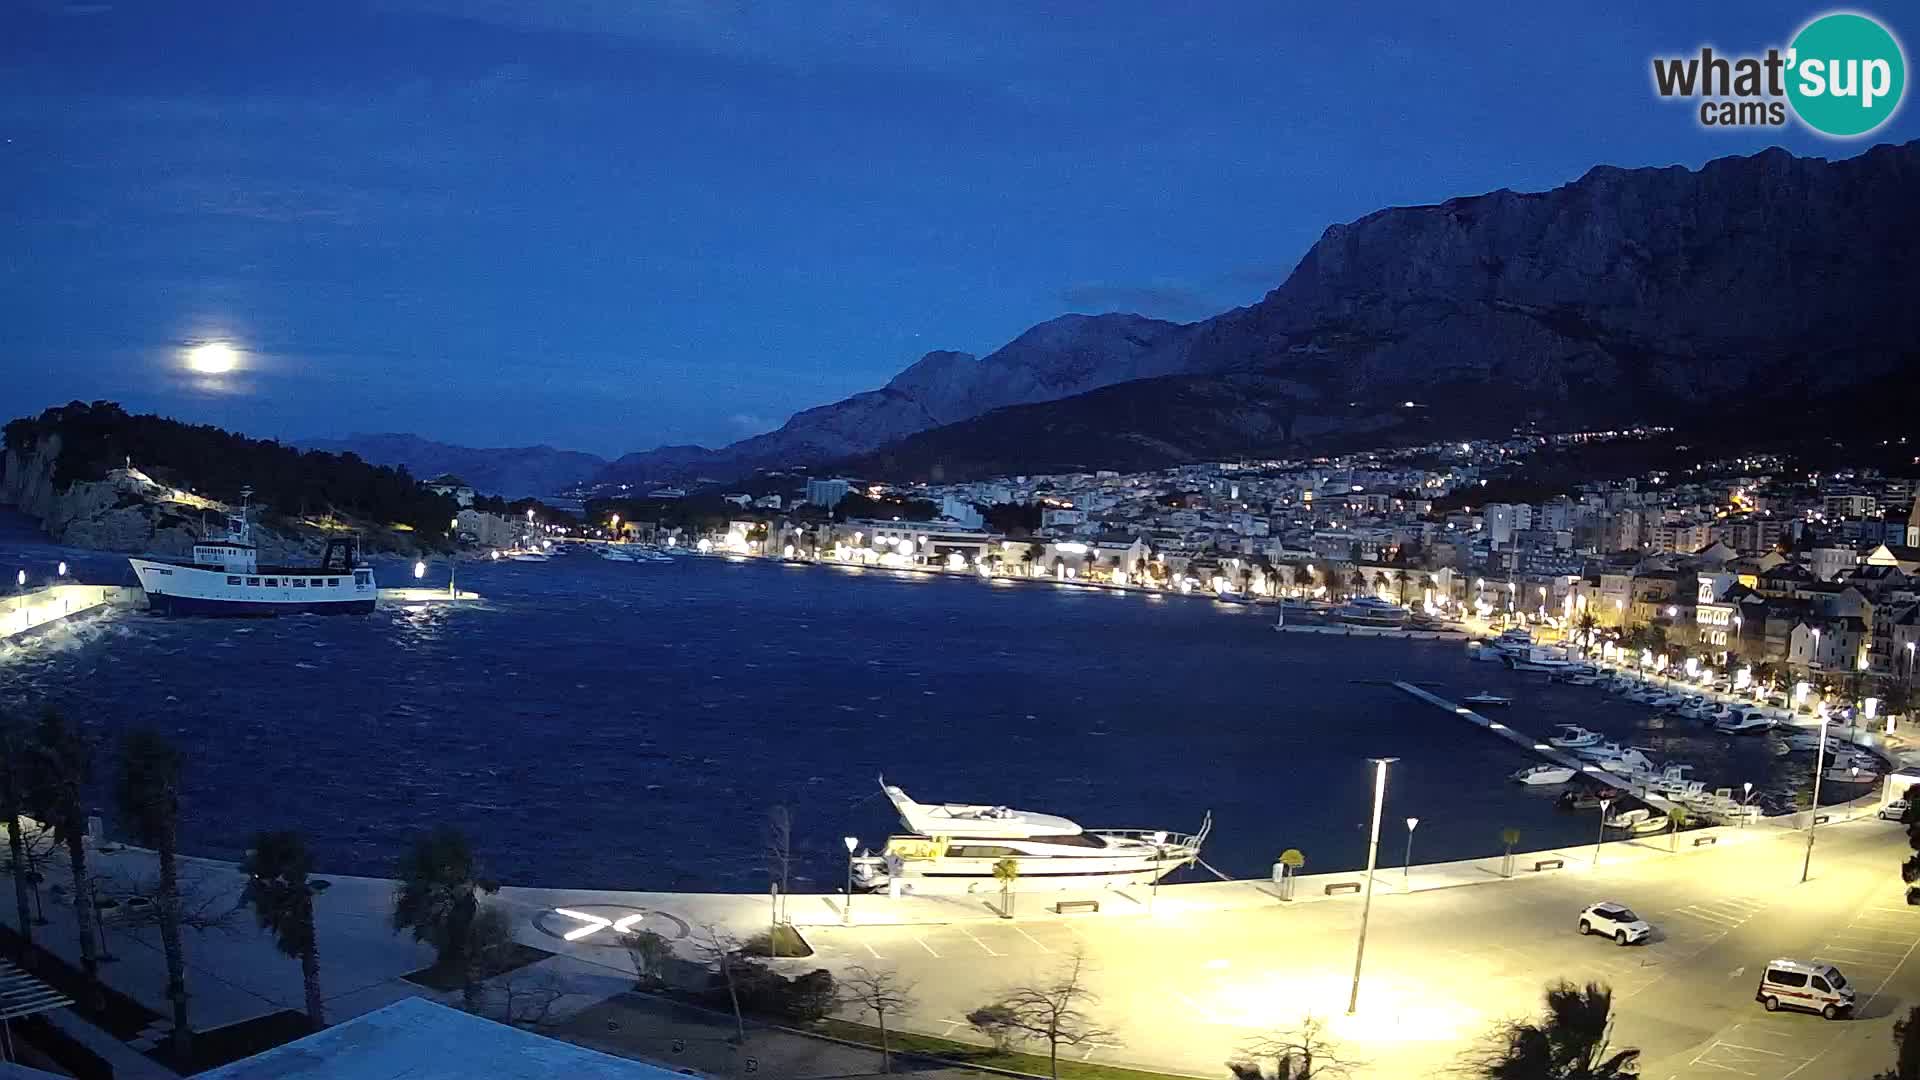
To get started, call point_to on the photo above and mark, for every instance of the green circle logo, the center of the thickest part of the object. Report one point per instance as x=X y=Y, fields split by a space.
x=1846 y=76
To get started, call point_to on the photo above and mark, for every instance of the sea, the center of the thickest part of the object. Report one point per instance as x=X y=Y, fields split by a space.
x=618 y=725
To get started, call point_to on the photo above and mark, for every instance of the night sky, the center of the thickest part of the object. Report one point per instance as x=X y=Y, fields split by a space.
x=607 y=224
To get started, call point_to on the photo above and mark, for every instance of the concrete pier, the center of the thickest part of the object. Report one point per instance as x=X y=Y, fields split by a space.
x=1528 y=742
x=36 y=609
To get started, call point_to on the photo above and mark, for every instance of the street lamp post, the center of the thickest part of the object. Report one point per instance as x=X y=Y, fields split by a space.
x=1159 y=857
x=1602 y=838
x=847 y=912
x=1373 y=854
x=1745 y=800
x=453 y=558
x=1406 y=869
x=1819 y=767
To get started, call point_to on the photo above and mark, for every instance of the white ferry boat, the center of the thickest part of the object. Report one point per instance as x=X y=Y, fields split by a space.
x=954 y=847
x=224 y=578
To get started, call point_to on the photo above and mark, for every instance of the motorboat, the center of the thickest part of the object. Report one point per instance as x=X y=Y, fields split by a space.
x=1487 y=697
x=1572 y=737
x=1372 y=612
x=1629 y=819
x=1744 y=722
x=224 y=577
x=954 y=847
x=613 y=553
x=526 y=555
x=1632 y=763
x=1540 y=775
x=1600 y=752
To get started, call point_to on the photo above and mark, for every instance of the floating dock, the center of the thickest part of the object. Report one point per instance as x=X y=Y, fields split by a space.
x=417 y=597
x=1373 y=631
x=1553 y=754
x=27 y=613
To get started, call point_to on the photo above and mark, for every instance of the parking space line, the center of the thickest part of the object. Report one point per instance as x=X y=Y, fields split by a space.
x=1848 y=948
x=1857 y=932
x=976 y=941
x=1755 y=1049
x=924 y=945
x=871 y=952
x=1890 y=975
x=1030 y=937
x=1712 y=917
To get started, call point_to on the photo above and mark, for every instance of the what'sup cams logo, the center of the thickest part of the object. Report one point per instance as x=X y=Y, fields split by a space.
x=1843 y=76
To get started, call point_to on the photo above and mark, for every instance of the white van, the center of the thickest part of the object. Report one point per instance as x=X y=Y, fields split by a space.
x=1815 y=987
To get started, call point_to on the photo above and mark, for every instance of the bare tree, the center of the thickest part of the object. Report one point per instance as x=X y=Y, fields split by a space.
x=1302 y=1052
x=523 y=997
x=1049 y=1012
x=779 y=869
x=649 y=952
x=720 y=949
x=879 y=992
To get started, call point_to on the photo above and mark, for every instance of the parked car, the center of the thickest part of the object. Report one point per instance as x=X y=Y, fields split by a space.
x=1812 y=987
x=1894 y=809
x=1616 y=921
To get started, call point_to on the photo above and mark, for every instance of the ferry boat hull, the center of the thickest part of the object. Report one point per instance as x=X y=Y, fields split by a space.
x=224 y=578
x=174 y=589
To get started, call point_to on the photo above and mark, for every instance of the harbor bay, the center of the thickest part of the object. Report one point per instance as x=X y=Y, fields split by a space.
x=608 y=725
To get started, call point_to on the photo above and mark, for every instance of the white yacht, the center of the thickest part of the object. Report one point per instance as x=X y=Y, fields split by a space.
x=953 y=848
x=1487 y=697
x=1371 y=611
x=225 y=577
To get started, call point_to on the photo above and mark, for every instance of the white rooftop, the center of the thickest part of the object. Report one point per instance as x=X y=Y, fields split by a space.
x=416 y=1039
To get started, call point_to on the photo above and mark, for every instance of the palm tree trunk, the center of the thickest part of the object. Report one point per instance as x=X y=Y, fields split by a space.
x=170 y=943
x=83 y=913
x=310 y=973
x=18 y=849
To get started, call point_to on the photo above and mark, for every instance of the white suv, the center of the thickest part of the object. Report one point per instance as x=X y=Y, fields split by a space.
x=1616 y=921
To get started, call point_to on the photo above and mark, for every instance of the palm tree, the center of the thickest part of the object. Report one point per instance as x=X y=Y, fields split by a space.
x=148 y=792
x=12 y=782
x=62 y=769
x=1677 y=819
x=1006 y=872
x=1400 y=579
x=282 y=899
x=437 y=897
x=1569 y=1042
x=1356 y=582
x=1586 y=624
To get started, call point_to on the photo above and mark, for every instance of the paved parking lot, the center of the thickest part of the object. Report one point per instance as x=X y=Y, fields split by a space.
x=1189 y=989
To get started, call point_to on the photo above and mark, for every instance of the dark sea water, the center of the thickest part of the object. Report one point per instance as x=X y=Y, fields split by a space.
x=610 y=725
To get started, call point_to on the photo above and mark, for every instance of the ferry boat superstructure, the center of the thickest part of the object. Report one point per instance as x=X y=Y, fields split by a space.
x=224 y=578
x=954 y=847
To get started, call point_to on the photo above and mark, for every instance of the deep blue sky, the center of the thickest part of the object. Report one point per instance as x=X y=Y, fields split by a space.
x=608 y=225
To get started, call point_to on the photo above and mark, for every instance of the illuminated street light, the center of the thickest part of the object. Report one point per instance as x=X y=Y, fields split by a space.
x=1604 y=803
x=1406 y=868
x=851 y=842
x=1373 y=855
x=1745 y=800
x=419 y=569
x=62 y=571
x=1819 y=767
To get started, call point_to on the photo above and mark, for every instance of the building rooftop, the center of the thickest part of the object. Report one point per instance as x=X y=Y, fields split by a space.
x=416 y=1039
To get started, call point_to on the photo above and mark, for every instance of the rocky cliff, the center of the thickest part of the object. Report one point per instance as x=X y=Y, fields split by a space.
x=120 y=514
x=1760 y=293
x=1056 y=359
x=1627 y=293
x=1750 y=287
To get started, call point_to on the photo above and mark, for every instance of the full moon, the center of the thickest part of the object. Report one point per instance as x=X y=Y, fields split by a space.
x=213 y=358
